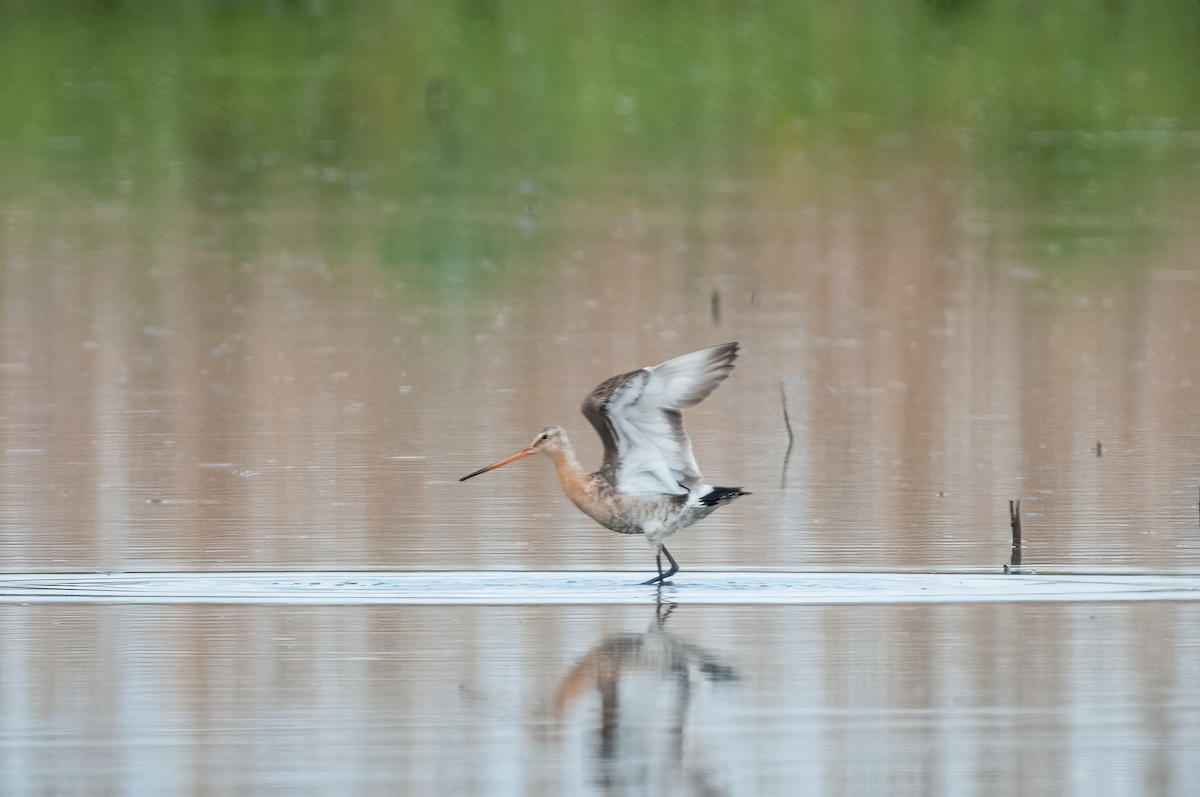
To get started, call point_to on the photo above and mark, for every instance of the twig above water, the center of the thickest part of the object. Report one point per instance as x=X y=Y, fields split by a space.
x=786 y=421
x=1014 y=517
x=791 y=437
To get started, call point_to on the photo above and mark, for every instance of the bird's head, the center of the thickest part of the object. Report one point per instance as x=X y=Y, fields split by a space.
x=550 y=440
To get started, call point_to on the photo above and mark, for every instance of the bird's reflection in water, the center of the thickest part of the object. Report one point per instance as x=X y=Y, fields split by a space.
x=647 y=683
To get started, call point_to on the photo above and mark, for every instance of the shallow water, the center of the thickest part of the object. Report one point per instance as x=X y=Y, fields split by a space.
x=756 y=700
x=274 y=276
x=253 y=320
x=532 y=589
x=194 y=418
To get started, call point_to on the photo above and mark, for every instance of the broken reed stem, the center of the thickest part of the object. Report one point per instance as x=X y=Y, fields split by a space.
x=786 y=421
x=1014 y=516
x=791 y=437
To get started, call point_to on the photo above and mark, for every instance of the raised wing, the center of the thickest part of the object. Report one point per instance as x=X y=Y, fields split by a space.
x=638 y=417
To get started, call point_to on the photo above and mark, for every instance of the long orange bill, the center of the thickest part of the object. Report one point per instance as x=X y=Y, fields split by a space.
x=519 y=455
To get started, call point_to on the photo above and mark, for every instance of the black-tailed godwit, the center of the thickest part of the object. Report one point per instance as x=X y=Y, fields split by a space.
x=649 y=482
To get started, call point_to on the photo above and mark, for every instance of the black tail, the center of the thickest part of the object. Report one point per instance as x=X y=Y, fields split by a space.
x=721 y=495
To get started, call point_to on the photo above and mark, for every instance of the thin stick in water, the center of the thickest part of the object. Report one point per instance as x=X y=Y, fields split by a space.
x=786 y=421
x=791 y=437
x=1014 y=516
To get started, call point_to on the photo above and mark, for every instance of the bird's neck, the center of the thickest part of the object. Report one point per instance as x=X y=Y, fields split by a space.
x=570 y=473
x=581 y=487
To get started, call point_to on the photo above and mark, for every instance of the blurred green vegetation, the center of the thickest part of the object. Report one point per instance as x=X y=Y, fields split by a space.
x=443 y=134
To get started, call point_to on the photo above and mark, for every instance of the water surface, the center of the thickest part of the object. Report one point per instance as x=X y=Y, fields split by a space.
x=601 y=700
x=273 y=276
x=531 y=588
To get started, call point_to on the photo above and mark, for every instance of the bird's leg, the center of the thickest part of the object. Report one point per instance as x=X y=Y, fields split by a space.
x=674 y=565
x=658 y=559
x=658 y=579
x=662 y=577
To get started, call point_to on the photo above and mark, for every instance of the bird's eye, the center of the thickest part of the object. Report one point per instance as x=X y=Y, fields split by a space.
x=545 y=436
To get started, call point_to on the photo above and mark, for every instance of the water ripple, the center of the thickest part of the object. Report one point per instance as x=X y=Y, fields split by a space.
x=548 y=588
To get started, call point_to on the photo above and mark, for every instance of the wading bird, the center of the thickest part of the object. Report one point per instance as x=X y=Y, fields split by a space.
x=649 y=482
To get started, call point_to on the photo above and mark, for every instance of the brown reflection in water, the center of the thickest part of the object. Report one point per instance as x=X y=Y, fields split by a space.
x=171 y=405
x=645 y=682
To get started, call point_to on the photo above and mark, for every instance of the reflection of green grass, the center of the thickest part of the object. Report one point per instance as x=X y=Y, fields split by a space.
x=1071 y=249
x=445 y=110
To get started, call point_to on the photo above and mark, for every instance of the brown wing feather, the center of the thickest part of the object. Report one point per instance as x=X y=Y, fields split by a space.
x=594 y=409
x=677 y=384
